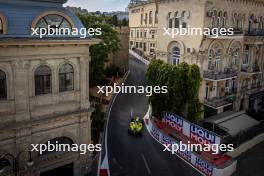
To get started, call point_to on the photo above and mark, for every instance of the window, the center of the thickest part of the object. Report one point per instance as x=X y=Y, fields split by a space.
x=141 y=19
x=156 y=17
x=210 y=58
x=146 y=18
x=54 y=21
x=131 y=44
x=3 y=90
x=224 y=19
x=169 y=20
x=176 y=20
x=150 y=17
x=236 y=57
x=184 y=17
x=66 y=78
x=218 y=60
x=1 y=26
x=145 y=47
x=246 y=59
x=42 y=80
x=175 y=56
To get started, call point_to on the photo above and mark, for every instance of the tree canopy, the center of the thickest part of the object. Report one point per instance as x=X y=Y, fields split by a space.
x=110 y=43
x=183 y=82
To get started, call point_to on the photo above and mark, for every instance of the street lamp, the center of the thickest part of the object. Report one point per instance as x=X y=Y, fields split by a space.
x=5 y=163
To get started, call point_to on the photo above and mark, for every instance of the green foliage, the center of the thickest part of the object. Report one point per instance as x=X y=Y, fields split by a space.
x=112 y=71
x=110 y=43
x=183 y=82
x=97 y=123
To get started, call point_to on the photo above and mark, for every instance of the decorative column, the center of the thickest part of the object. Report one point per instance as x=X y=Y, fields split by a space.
x=84 y=83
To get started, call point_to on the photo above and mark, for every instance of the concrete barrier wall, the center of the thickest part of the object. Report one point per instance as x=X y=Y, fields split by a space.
x=139 y=57
x=190 y=158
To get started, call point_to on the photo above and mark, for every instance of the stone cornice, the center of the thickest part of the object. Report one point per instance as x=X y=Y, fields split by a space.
x=30 y=42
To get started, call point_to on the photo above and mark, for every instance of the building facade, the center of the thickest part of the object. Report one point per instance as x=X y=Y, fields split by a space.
x=231 y=66
x=143 y=23
x=44 y=89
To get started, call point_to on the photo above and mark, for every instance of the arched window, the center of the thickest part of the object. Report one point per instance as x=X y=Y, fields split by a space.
x=176 y=20
x=219 y=20
x=43 y=80
x=66 y=78
x=3 y=90
x=184 y=17
x=1 y=26
x=214 y=19
x=175 y=57
x=150 y=17
x=156 y=17
x=224 y=19
x=54 y=21
x=169 y=20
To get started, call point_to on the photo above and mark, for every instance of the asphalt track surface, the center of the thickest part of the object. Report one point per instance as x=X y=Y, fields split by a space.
x=138 y=156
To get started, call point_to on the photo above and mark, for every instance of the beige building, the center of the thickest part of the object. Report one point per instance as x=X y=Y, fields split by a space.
x=143 y=23
x=231 y=66
x=44 y=90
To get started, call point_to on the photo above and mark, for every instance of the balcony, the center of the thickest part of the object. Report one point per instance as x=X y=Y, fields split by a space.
x=250 y=69
x=255 y=32
x=219 y=102
x=220 y=76
x=254 y=88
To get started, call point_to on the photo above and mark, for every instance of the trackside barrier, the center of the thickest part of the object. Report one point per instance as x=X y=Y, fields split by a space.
x=190 y=158
x=146 y=62
x=103 y=164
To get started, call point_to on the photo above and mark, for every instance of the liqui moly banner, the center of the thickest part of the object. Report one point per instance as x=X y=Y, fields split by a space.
x=194 y=132
x=186 y=155
x=203 y=136
x=174 y=121
x=202 y=165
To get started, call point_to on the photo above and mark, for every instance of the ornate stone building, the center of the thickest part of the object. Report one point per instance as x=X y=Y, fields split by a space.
x=143 y=22
x=231 y=66
x=44 y=89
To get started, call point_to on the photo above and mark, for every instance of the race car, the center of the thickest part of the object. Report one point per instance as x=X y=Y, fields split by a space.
x=135 y=126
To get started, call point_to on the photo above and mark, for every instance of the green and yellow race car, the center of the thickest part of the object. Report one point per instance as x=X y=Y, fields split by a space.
x=135 y=126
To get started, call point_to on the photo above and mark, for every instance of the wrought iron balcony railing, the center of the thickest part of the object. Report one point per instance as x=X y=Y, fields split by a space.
x=215 y=75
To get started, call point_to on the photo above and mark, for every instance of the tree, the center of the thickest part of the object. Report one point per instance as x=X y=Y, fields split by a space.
x=110 y=43
x=124 y=22
x=183 y=82
x=115 y=20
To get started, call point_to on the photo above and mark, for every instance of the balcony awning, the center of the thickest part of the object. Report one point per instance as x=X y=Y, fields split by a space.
x=233 y=122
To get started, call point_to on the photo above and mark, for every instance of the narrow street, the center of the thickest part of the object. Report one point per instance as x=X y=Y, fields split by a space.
x=138 y=156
